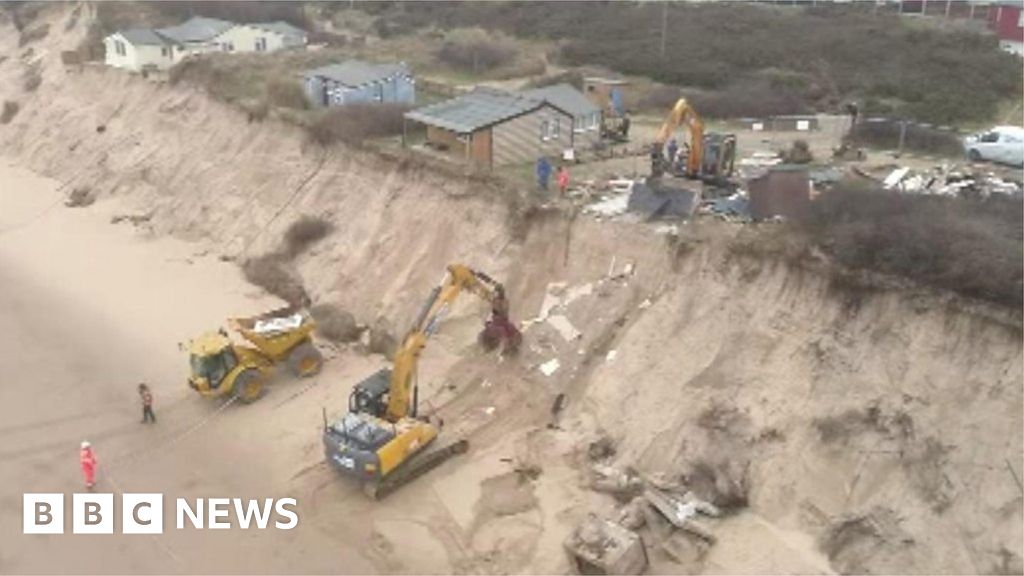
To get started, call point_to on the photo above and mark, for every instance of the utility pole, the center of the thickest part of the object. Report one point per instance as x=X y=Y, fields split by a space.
x=664 y=25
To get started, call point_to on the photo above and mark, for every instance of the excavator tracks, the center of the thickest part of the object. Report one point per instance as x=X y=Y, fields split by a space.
x=418 y=466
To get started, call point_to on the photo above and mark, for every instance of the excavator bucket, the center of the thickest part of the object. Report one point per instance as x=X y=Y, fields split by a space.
x=497 y=331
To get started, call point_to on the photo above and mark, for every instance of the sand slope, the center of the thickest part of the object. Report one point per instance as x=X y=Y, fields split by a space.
x=869 y=432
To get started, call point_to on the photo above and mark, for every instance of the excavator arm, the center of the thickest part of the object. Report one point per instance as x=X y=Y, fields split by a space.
x=681 y=114
x=458 y=278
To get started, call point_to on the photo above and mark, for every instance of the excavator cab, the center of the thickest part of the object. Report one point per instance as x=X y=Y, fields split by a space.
x=719 y=156
x=370 y=396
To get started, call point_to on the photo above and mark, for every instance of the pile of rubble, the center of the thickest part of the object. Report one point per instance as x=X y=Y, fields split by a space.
x=672 y=518
x=949 y=180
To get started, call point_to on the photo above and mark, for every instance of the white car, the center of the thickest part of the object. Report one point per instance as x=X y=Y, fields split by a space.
x=1003 y=144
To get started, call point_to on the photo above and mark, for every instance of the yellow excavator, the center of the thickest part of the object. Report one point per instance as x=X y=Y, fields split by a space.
x=711 y=156
x=381 y=439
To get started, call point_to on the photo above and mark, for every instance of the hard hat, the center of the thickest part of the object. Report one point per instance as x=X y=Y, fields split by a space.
x=85 y=444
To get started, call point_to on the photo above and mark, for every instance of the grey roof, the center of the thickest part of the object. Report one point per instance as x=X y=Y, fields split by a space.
x=356 y=73
x=478 y=109
x=281 y=27
x=142 y=37
x=565 y=97
x=195 y=29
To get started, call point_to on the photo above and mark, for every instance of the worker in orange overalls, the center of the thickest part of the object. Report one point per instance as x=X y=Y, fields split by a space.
x=88 y=461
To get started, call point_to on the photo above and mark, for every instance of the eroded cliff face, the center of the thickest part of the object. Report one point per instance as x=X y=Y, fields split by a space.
x=886 y=431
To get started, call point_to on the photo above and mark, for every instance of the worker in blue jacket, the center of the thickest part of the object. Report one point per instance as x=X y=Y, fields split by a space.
x=543 y=172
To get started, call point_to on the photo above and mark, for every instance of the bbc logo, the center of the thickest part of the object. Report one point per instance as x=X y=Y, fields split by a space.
x=93 y=513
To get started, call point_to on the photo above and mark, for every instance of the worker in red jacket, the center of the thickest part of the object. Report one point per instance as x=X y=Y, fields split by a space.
x=147 y=404
x=563 y=180
x=88 y=461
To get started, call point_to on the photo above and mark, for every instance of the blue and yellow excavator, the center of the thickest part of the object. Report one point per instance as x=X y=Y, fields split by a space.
x=381 y=440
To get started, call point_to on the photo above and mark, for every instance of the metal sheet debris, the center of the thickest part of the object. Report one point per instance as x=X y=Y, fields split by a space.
x=895 y=177
x=667 y=200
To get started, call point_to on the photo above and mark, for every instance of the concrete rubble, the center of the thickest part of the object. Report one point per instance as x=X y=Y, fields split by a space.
x=615 y=481
x=948 y=180
x=599 y=546
x=656 y=504
x=682 y=513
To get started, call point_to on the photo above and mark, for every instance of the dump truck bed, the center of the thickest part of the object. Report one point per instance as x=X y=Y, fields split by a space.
x=275 y=332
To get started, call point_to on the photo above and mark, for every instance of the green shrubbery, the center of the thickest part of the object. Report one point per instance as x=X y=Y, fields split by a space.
x=816 y=56
x=973 y=248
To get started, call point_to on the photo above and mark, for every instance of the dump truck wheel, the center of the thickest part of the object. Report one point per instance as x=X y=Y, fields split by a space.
x=249 y=385
x=305 y=360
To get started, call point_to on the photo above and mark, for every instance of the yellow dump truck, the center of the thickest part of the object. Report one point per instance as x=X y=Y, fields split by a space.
x=223 y=368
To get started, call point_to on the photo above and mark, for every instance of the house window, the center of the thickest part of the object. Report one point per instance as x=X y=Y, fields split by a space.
x=120 y=48
x=164 y=52
x=549 y=129
x=261 y=44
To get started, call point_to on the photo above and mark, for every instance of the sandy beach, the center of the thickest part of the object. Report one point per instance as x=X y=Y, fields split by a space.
x=90 y=309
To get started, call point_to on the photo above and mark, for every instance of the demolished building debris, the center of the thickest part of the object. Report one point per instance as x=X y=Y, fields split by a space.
x=782 y=191
x=599 y=546
x=948 y=180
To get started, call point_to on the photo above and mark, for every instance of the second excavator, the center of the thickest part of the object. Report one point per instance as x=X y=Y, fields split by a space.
x=381 y=440
x=710 y=156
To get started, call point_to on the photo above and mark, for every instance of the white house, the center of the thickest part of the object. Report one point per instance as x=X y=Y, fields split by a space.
x=260 y=37
x=194 y=36
x=138 y=49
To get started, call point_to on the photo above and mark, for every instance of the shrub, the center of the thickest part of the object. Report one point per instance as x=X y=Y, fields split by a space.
x=257 y=110
x=476 y=52
x=572 y=77
x=72 y=20
x=303 y=233
x=799 y=153
x=91 y=47
x=355 y=123
x=971 y=247
x=382 y=340
x=328 y=38
x=820 y=54
x=286 y=94
x=9 y=111
x=31 y=79
x=660 y=99
x=335 y=324
x=33 y=34
x=80 y=197
x=749 y=97
x=886 y=134
x=271 y=273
